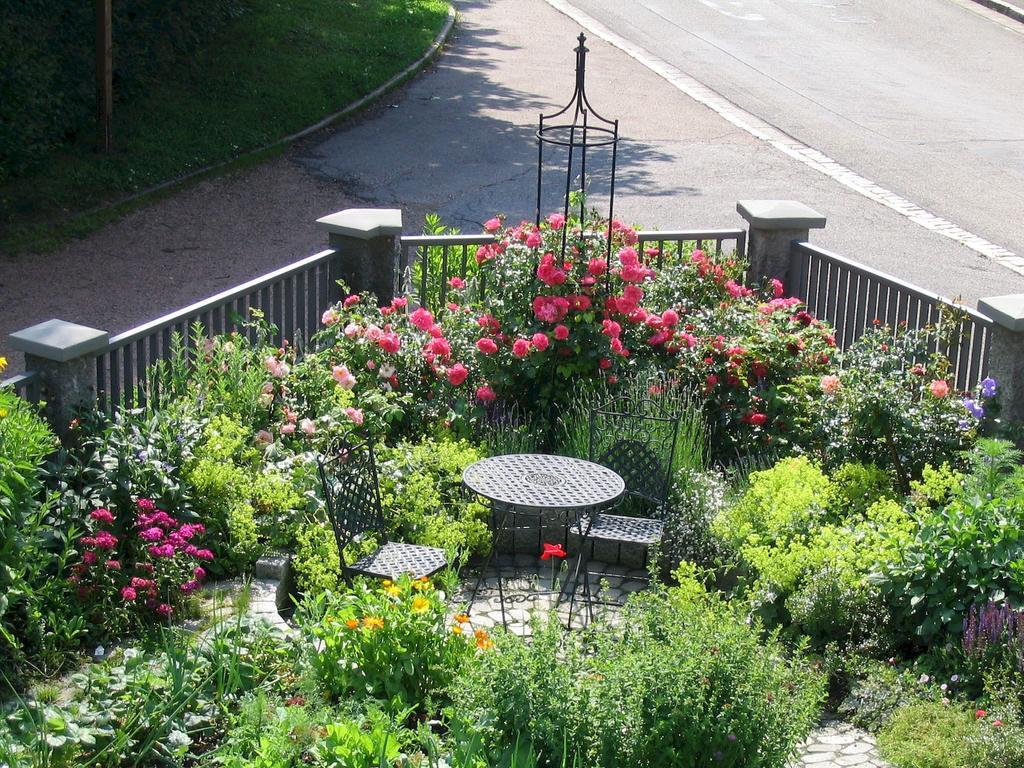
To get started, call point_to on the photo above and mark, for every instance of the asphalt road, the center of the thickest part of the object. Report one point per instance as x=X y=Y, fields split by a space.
x=460 y=140
x=924 y=97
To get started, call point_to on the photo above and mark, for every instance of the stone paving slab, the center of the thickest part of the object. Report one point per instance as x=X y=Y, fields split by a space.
x=836 y=744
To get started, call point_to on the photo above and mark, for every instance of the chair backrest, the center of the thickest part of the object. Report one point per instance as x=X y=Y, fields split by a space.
x=349 y=479
x=637 y=439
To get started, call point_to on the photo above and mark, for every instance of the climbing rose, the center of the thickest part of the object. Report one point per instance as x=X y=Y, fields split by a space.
x=533 y=240
x=422 y=319
x=389 y=342
x=939 y=388
x=492 y=225
x=343 y=376
x=330 y=316
x=670 y=317
x=485 y=394
x=550 y=309
x=521 y=348
x=355 y=414
x=830 y=384
x=350 y=300
x=597 y=267
x=556 y=220
x=276 y=368
x=540 y=341
x=457 y=374
x=561 y=332
x=486 y=346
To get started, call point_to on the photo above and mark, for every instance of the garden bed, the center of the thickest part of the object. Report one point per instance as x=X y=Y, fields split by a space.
x=843 y=531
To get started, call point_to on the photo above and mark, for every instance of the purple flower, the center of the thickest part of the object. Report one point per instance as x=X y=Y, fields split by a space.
x=974 y=408
x=989 y=387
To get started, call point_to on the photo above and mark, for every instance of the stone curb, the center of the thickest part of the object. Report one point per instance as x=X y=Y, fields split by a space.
x=428 y=56
x=270 y=590
x=1007 y=9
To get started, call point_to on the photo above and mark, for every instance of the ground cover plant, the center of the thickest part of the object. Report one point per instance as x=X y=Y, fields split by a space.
x=824 y=546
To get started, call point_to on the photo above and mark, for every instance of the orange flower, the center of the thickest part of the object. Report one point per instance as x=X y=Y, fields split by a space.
x=352 y=623
x=462 y=618
x=483 y=640
x=373 y=622
x=420 y=604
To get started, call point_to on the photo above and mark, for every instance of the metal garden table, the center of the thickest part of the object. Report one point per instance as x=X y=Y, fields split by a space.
x=542 y=485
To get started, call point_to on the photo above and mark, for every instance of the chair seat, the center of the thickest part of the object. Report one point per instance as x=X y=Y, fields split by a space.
x=395 y=558
x=637 y=530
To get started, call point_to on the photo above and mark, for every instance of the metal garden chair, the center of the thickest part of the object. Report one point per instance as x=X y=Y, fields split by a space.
x=352 y=496
x=636 y=439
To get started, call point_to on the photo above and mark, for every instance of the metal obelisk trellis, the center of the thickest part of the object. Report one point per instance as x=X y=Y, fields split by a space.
x=587 y=130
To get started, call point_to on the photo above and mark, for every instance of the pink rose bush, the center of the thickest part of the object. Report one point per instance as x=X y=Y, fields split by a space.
x=546 y=319
x=145 y=572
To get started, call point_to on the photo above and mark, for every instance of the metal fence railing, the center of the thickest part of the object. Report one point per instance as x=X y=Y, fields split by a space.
x=427 y=262
x=853 y=298
x=292 y=299
x=25 y=385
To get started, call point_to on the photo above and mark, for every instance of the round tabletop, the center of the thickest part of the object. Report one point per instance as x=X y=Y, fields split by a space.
x=541 y=481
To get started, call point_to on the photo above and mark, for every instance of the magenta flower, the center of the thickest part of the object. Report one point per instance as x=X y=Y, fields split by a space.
x=105 y=540
x=162 y=550
x=163 y=609
x=128 y=594
x=151 y=534
x=102 y=515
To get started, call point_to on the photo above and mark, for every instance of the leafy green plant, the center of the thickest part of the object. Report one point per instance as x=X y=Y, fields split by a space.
x=967 y=552
x=682 y=681
x=390 y=641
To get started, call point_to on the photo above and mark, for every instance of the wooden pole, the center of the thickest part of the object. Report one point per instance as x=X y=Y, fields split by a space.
x=104 y=74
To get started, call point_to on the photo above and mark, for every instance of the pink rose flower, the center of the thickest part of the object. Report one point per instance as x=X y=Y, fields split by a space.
x=457 y=374
x=533 y=240
x=457 y=283
x=422 y=319
x=264 y=438
x=485 y=394
x=939 y=388
x=343 y=376
x=486 y=346
x=399 y=302
x=350 y=300
x=520 y=348
x=540 y=341
x=355 y=414
x=128 y=594
x=164 y=610
x=556 y=220
x=351 y=330
x=390 y=343
x=308 y=427
x=670 y=317
x=830 y=384
x=373 y=333
x=288 y=429
x=561 y=332
x=597 y=267
x=492 y=225
x=204 y=554
x=145 y=505
x=275 y=367
x=330 y=316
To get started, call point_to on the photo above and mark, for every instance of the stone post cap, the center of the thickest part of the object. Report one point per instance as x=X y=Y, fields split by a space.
x=1008 y=310
x=59 y=340
x=779 y=214
x=363 y=223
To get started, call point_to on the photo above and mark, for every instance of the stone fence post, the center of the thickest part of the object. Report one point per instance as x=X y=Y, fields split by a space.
x=772 y=226
x=63 y=355
x=1006 y=351
x=367 y=254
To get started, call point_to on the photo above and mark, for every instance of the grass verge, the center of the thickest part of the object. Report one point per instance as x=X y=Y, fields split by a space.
x=280 y=66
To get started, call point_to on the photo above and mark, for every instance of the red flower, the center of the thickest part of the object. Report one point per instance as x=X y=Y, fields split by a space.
x=553 y=550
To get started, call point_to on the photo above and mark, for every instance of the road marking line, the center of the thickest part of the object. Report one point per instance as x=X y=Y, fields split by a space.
x=790 y=146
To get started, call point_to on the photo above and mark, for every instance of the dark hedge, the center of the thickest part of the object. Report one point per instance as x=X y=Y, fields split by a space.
x=47 y=80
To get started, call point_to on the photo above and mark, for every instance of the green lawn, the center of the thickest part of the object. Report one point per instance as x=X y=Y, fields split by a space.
x=280 y=66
